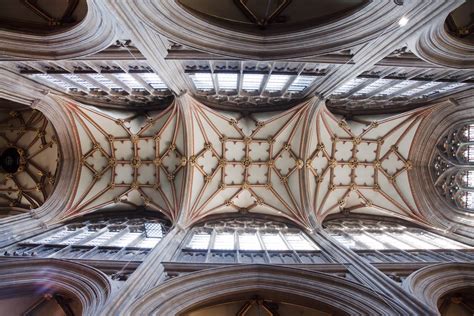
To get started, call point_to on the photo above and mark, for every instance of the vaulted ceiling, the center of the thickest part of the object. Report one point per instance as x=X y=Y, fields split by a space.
x=190 y=161
x=34 y=142
x=193 y=110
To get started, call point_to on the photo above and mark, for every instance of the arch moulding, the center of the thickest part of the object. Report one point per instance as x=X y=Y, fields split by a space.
x=88 y=285
x=49 y=105
x=94 y=33
x=185 y=293
x=429 y=284
x=169 y=18
x=434 y=208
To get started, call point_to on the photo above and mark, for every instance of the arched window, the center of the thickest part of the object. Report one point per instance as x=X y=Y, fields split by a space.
x=249 y=241
x=121 y=238
x=453 y=166
x=385 y=241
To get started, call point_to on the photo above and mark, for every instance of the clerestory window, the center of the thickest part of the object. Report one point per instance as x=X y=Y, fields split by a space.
x=118 y=238
x=249 y=241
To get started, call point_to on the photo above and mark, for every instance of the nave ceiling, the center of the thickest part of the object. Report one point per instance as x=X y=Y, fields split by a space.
x=151 y=95
x=190 y=161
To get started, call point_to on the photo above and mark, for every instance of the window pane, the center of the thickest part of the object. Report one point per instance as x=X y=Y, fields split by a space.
x=56 y=236
x=252 y=82
x=249 y=242
x=467 y=199
x=348 y=86
x=75 y=240
x=346 y=241
x=276 y=82
x=470 y=132
x=125 y=239
x=200 y=241
x=415 y=241
x=227 y=81
x=393 y=242
x=298 y=242
x=469 y=153
x=77 y=79
x=370 y=243
x=153 y=230
x=274 y=242
x=102 y=239
x=224 y=241
x=54 y=80
x=128 y=80
x=468 y=178
x=153 y=80
x=202 y=81
x=301 y=83
x=442 y=242
x=147 y=242
x=105 y=81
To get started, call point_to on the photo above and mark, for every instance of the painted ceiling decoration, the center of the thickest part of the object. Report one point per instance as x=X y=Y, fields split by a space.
x=129 y=160
x=190 y=161
x=30 y=159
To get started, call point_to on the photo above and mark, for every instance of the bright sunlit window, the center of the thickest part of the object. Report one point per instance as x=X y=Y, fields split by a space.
x=227 y=81
x=276 y=82
x=252 y=82
x=301 y=83
x=202 y=81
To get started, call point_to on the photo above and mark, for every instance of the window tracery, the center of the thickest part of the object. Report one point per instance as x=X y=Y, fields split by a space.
x=115 y=238
x=453 y=166
x=380 y=241
x=249 y=241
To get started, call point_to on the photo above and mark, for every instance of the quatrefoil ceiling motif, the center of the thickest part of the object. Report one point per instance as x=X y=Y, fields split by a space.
x=291 y=164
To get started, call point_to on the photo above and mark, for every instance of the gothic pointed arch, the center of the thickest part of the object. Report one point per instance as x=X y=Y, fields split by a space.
x=430 y=284
x=434 y=165
x=88 y=287
x=93 y=33
x=185 y=293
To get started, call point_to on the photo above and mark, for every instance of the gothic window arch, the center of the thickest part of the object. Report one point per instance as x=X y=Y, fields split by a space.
x=105 y=237
x=453 y=166
x=249 y=240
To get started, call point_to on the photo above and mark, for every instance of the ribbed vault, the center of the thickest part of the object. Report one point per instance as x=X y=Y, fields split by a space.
x=34 y=143
x=129 y=160
x=361 y=166
x=190 y=161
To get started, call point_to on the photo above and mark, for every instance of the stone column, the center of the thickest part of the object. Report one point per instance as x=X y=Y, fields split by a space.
x=148 y=274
